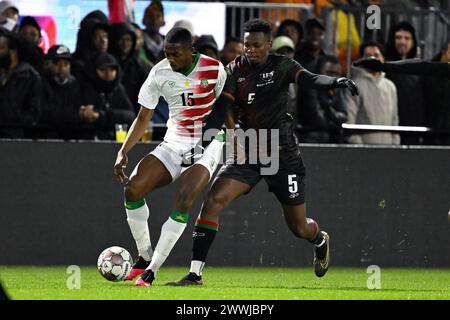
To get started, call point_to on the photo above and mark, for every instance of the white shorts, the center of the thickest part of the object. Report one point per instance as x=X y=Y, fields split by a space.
x=172 y=155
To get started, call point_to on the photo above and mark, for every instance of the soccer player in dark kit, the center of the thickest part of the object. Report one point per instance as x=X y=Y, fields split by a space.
x=257 y=89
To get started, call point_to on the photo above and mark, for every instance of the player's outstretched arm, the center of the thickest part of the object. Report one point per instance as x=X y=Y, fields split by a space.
x=411 y=66
x=318 y=81
x=135 y=133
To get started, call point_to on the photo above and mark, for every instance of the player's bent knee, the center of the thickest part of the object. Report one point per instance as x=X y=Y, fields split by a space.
x=216 y=202
x=132 y=192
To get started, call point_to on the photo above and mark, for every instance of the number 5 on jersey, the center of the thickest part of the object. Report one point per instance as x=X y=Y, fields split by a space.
x=293 y=185
x=251 y=97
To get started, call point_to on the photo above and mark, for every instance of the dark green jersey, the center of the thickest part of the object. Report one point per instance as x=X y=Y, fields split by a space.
x=261 y=94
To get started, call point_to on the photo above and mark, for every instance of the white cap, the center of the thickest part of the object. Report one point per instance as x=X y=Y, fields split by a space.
x=186 y=24
x=6 y=4
x=281 y=42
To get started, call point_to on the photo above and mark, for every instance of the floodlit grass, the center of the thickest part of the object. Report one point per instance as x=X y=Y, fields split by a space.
x=38 y=283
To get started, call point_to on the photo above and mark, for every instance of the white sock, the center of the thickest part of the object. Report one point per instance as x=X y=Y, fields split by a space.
x=170 y=232
x=137 y=220
x=197 y=267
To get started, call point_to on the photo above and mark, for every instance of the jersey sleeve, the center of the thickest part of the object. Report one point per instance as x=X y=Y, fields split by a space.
x=150 y=92
x=230 y=86
x=291 y=69
x=221 y=79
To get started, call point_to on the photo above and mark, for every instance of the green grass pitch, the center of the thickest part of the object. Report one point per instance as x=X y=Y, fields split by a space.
x=231 y=283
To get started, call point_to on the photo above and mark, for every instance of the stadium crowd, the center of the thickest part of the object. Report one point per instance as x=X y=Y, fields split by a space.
x=83 y=94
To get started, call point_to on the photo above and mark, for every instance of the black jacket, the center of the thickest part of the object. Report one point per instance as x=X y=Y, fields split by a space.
x=134 y=69
x=20 y=101
x=322 y=109
x=410 y=88
x=61 y=108
x=437 y=92
x=110 y=100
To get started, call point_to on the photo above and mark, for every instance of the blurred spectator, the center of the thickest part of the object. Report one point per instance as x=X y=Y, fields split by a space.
x=92 y=39
x=343 y=21
x=20 y=88
x=311 y=48
x=105 y=100
x=324 y=109
x=308 y=53
x=139 y=46
x=402 y=44
x=31 y=31
x=153 y=20
x=207 y=45
x=232 y=49
x=154 y=49
x=376 y=103
x=122 y=39
x=292 y=29
x=63 y=99
x=97 y=15
x=284 y=45
x=437 y=90
x=9 y=15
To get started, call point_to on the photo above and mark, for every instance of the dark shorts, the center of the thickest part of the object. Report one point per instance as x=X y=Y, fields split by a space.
x=288 y=184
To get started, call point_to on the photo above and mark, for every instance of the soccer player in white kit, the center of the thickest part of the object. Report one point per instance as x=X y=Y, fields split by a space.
x=190 y=83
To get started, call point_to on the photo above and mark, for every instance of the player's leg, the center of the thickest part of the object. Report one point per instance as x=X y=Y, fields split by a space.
x=288 y=185
x=192 y=182
x=149 y=174
x=223 y=191
x=308 y=229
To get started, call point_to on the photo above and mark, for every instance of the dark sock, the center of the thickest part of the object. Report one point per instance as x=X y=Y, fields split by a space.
x=317 y=236
x=141 y=263
x=204 y=234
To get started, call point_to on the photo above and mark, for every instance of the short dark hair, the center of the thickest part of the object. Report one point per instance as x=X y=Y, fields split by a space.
x=158 y=5
x=371 y=43
x=314 y=23
x=287 y=23
x=179 y=36
x=258 y=25
x=230 y=40
x=326 y=58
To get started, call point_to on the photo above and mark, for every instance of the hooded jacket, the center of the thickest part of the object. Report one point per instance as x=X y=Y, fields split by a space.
x=134 y=69
x=108 y=98
x=20 y=100
x=85 y=51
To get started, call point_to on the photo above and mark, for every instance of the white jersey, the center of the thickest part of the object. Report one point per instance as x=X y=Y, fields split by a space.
x=190 y=96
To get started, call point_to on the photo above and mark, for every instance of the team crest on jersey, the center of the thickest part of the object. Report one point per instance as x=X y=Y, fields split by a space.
x=204 y=83
x=268 y=76
x=171 y=84
x=187 y=83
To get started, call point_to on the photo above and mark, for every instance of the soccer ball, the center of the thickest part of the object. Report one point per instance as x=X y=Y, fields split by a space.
x=114 y=263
